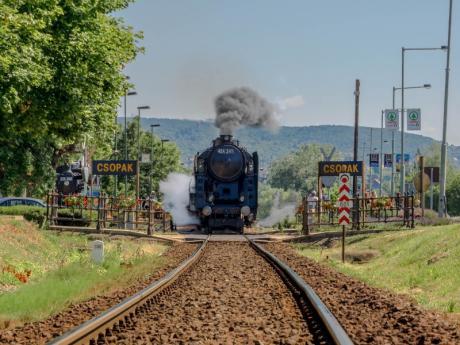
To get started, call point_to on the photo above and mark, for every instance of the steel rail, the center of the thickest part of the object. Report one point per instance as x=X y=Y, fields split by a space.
x=335 y=329
x=91 y=329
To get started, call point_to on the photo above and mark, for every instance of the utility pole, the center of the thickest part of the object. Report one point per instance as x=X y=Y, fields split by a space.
x=381 y=156
x=355 y=154
x=356 y=136
x=442 y=209
x=403 y=163
x=370 y=168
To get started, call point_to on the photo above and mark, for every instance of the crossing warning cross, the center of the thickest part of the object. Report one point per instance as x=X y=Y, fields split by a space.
x=344 y=202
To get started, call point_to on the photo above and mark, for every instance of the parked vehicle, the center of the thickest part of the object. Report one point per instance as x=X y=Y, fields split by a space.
x=15 y=201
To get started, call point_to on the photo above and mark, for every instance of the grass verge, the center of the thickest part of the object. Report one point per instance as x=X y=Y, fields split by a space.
x=43 y=272
x=423 y=263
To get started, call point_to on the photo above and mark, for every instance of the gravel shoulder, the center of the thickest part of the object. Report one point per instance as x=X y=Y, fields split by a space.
x=370 y=315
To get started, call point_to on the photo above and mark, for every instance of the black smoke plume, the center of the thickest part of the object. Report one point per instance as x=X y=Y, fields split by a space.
x=243 y=107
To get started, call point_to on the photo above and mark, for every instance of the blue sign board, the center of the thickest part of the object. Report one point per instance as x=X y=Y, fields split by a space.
x=387 y=160
x=374 y=160
x=406 y=158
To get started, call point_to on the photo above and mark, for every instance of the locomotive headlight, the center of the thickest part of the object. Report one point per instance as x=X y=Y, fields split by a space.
x=207 y=211
x=242 y=198
x=245 y=211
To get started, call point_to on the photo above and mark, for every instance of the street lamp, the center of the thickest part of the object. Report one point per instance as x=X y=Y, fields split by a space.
x=442 y=210
x=127 y=93
x=403 y=52
x=152 y=126
x=424 y=86
x=143 y=107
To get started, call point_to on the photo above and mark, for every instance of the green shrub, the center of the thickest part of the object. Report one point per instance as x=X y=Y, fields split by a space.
x=19 y=210
x=31 y=213
x=36 y=216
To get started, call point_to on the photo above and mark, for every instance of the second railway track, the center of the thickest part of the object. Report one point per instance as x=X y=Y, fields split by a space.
x=227 y=292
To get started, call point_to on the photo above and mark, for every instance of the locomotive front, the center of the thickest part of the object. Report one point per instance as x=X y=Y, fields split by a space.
x=225 y=186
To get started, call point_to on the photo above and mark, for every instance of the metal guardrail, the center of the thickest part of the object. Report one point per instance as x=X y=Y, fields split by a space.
x=336 y=331
x=90 y=330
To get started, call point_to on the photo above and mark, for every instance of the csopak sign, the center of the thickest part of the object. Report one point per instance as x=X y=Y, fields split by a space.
x=121 y=167
x=354 y=168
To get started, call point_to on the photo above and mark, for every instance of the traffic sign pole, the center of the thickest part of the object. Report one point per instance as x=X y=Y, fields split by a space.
x=343 y=243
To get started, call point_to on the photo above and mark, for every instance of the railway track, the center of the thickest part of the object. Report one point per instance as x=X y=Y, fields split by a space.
x=223 y=292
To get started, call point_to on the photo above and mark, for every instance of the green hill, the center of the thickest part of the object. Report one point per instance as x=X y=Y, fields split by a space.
x=193 y=136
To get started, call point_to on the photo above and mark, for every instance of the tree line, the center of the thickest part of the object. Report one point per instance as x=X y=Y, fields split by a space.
x=61 y=64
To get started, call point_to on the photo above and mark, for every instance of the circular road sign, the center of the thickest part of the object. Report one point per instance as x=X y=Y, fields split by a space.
x=391 y=116
x=413 y=115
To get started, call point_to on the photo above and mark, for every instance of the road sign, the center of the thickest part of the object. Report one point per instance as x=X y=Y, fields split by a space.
x=387 y=160
x=344 y=202
x=354 y=168
x=406 y=158
x=414 y=122
x=435 y=171
x=328 y=181
x=145 y=158
x=392 y=119
x=374 y=160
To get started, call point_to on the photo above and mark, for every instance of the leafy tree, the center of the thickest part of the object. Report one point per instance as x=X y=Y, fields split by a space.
x=61 y=63
x=166 y=159
x=298 y=170
x=453 y=195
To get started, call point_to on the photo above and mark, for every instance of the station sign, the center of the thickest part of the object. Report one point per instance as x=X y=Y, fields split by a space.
x=335 y=168
x=392 y=119
x=115 y=167
x=414 y=122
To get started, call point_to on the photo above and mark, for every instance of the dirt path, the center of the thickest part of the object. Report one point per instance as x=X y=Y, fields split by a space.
x=41 y=332
x=370 y=315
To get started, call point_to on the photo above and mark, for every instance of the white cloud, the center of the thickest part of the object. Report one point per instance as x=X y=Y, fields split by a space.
x=290 y=102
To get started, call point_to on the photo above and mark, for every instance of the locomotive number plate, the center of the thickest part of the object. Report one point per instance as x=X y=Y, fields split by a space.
x=226 y=151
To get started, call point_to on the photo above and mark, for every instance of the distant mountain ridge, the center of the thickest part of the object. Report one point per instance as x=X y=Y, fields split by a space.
x=193 y=136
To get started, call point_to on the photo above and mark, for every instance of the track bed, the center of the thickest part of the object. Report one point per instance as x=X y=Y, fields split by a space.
x=231 y=296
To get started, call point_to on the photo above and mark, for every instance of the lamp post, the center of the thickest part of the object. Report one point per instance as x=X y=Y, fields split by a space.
x=127 y=93
x=424 y=86
x=151 y=156
x=403 y=52
x=143 y=107
x=442 y=210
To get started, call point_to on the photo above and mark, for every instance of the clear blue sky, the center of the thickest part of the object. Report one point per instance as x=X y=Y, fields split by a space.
x=304 y=55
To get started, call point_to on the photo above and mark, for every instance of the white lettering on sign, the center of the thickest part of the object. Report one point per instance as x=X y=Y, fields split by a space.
x=226 y=151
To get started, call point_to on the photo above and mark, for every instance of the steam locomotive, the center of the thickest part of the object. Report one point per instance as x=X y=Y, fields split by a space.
x=69 y=179
x=223 y=191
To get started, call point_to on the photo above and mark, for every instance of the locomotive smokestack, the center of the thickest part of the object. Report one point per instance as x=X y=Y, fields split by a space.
x=243 y=107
